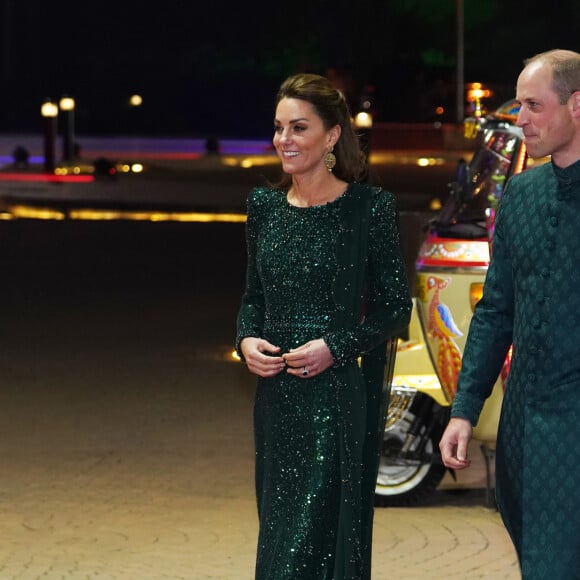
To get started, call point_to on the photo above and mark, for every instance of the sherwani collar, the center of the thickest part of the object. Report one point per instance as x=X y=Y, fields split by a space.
x=567 y=175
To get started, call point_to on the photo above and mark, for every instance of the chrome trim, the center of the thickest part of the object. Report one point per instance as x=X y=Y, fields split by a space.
x=400 y=401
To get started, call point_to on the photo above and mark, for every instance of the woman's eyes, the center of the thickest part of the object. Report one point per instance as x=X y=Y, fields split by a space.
x=295 y=128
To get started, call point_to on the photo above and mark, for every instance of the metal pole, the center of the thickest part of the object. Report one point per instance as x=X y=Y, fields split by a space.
x=49 y=112
x=67 y=106
x=49 y=139
x=6 y=68
x=6 y=41
x=69 y=136
x=460 y=65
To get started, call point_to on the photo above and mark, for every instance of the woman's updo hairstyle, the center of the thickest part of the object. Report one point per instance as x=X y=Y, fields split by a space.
x=331 y=106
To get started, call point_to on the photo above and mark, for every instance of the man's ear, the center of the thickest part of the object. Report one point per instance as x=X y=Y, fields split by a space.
x=575 y=101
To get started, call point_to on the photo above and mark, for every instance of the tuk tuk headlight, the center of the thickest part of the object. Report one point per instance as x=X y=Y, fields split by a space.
x=475 y=294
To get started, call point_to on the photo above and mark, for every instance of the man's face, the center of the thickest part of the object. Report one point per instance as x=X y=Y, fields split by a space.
x=547 y=125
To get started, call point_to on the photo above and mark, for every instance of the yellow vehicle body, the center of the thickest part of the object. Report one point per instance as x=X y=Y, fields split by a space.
x=414 y=368
x=450 y=271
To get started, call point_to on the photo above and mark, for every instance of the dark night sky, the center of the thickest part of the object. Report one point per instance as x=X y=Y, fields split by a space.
x=214 y=69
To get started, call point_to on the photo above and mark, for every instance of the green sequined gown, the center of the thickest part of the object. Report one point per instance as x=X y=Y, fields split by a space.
x=531 y=299
x=313 y=508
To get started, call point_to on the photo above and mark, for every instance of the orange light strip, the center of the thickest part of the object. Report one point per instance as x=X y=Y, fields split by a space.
x=17 y=211
x=521 y=160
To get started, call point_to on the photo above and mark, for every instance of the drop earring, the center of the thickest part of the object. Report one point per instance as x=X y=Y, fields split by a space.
x=330 y=160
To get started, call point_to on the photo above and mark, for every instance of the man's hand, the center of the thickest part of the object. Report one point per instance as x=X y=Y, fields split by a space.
x=453 y=444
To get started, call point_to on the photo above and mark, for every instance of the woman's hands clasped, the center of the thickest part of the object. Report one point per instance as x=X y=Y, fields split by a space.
x=261 y=357
x=310 y=359
x=305 y=361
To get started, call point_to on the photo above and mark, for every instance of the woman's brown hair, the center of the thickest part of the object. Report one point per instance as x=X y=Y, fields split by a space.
x=331 y=106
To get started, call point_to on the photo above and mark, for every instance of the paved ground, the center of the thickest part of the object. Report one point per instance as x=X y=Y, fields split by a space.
x=125 y=430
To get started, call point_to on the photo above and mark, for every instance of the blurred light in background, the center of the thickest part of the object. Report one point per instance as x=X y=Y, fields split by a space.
x=135 y=100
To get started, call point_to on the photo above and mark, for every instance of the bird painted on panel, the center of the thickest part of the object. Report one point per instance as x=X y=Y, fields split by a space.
x=443 y=329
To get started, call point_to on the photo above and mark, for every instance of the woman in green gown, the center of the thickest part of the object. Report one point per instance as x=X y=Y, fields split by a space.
x=326 y=286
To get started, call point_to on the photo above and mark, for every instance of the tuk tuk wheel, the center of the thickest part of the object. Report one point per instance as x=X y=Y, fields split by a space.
x=404 y=481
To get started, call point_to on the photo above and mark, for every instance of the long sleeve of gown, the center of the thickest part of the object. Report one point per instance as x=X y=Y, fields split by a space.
x=490 y=331
x=251 y=314
x=387 y=301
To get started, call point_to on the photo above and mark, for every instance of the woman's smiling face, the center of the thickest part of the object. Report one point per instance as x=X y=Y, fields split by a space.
x=300 y=137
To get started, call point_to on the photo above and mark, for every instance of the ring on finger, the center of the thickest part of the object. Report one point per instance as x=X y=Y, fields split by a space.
x=305 y=372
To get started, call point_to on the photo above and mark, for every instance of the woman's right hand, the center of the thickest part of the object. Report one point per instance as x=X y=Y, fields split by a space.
x=260 y=357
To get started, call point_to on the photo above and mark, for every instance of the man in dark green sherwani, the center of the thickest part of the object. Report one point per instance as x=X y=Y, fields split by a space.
x=531 y=299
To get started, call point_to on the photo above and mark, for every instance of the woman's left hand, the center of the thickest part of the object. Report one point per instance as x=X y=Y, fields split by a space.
x=308 y=360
